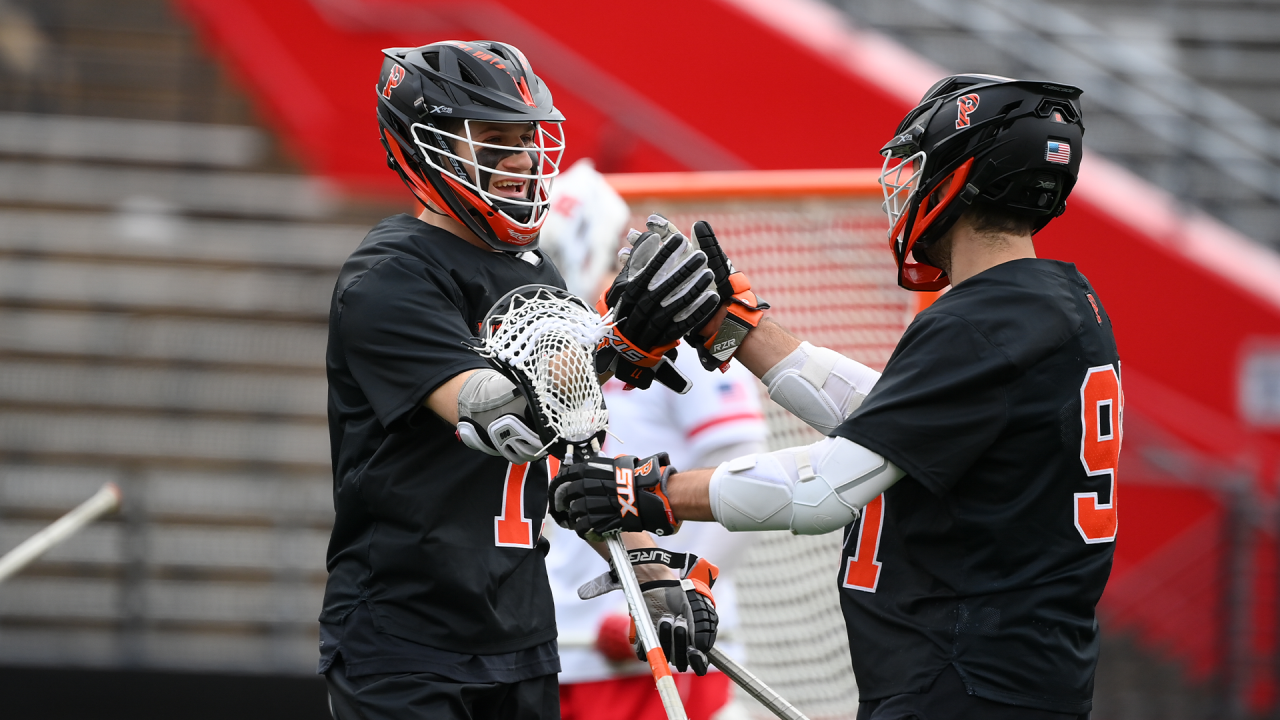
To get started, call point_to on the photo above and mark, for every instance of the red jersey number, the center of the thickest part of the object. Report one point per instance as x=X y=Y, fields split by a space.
x=863 y=569
x=1102 y=418
x=512 y=528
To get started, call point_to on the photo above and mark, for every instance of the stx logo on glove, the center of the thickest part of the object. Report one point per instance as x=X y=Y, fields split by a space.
x=626 y=491
x=624 y=348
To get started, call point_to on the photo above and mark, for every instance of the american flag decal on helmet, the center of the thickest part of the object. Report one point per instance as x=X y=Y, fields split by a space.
x=1058 y=152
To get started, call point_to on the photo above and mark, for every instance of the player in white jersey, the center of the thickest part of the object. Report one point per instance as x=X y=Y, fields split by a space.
x=718 y=419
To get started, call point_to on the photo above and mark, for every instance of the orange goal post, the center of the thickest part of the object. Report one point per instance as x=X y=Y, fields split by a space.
x=814 y=244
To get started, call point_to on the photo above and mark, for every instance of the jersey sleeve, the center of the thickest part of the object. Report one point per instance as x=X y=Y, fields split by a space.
x=940 y=403
x=402 y=330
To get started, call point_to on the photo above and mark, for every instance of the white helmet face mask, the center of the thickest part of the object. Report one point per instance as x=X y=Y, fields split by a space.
x=899 y=179
x=546 y=151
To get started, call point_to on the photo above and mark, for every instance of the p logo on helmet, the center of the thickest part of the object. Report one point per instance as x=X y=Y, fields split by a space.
x=965 y=105
x=393 y=80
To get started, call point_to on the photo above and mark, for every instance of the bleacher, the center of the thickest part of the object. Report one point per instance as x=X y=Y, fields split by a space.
x=164 y=284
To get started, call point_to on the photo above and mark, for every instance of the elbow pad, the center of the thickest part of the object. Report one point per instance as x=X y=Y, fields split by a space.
x=819 y=386
x=491 y=412
x=808 y=490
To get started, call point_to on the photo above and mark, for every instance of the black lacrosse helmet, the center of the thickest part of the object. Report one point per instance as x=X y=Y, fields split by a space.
x=1011 y=144
x=425 y=89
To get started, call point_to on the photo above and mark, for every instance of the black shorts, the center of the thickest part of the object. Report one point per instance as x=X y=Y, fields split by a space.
x=948 y=700
x=419 y=696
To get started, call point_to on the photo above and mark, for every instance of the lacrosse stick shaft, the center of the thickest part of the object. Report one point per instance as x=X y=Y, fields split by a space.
x=104 y=501
x=644 y=628
x=772 y=701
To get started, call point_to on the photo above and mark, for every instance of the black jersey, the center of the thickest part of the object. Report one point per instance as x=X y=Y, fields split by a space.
x=1002 y=404
x=442 y=542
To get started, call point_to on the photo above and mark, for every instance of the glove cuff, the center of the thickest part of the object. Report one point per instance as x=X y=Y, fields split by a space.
x=651 y=479
x=744 y=312
x=699 y=587
x=628 y=350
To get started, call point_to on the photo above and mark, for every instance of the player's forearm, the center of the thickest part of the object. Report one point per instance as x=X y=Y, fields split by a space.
x=690 y=495
x=766 y=346
x=644 y=573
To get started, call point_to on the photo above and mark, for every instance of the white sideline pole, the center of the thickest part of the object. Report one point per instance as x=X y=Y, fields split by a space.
x=774 y=702
x=104 y=501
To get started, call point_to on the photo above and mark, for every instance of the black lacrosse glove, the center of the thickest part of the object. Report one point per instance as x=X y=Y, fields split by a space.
x=683 y=611
x=607 y=494
x=663 y=292
x=717 y=345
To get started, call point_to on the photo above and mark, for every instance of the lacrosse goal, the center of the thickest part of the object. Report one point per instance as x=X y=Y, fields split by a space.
x=813 y=243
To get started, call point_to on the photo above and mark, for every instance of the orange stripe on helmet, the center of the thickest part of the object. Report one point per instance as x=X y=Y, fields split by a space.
x=419 y=187
x=525 y=94
x=919 y=275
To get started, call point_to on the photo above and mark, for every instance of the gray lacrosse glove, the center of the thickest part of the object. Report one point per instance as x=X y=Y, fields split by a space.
x=664 y=291
x=491 y=418
x=683 y=611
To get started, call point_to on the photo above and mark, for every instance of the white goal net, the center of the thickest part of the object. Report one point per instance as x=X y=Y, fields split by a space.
x=823 y=262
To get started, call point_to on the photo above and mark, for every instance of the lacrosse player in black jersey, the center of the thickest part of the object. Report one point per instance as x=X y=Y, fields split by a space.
x=976 y=478
x=437 y=603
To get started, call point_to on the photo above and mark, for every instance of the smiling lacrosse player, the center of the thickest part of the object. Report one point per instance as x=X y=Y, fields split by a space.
x=975 y=480
x=437 y=603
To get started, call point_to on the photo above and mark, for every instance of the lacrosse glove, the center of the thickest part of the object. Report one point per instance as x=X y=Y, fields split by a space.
x=607 y=494
x=683 y=611
x=716 y=345
x=663 y=292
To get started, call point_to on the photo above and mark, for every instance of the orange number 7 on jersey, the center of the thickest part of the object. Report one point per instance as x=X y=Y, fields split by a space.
x=512 y=528
x=862 y=572
x=1102 y=418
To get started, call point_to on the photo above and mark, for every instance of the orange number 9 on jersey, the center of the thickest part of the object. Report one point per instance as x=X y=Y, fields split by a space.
x=1102 y=417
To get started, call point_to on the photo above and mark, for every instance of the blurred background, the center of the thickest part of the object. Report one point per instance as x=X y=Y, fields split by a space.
x=180 y=180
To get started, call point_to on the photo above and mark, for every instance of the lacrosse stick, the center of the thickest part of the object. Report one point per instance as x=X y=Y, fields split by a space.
x=645 y=631
x=104 y=501
x=544 y=340
x=772 y=701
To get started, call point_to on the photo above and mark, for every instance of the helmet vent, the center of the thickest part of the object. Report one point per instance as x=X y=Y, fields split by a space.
x=468 y=76
x=1059 y=111
x=433 y=60
x=1008 y=108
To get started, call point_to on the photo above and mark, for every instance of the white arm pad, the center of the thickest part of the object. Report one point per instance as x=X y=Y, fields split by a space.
x=808 y=490
x=819 y=386
x=488 y=395
x=490 y=403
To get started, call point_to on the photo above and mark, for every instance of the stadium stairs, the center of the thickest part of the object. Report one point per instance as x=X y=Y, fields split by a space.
x=164 y=290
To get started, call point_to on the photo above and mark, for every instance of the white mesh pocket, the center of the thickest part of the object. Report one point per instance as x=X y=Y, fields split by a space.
x=550 y=340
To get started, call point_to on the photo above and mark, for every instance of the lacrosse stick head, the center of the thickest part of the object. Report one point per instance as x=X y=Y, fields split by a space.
x=543 y=339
